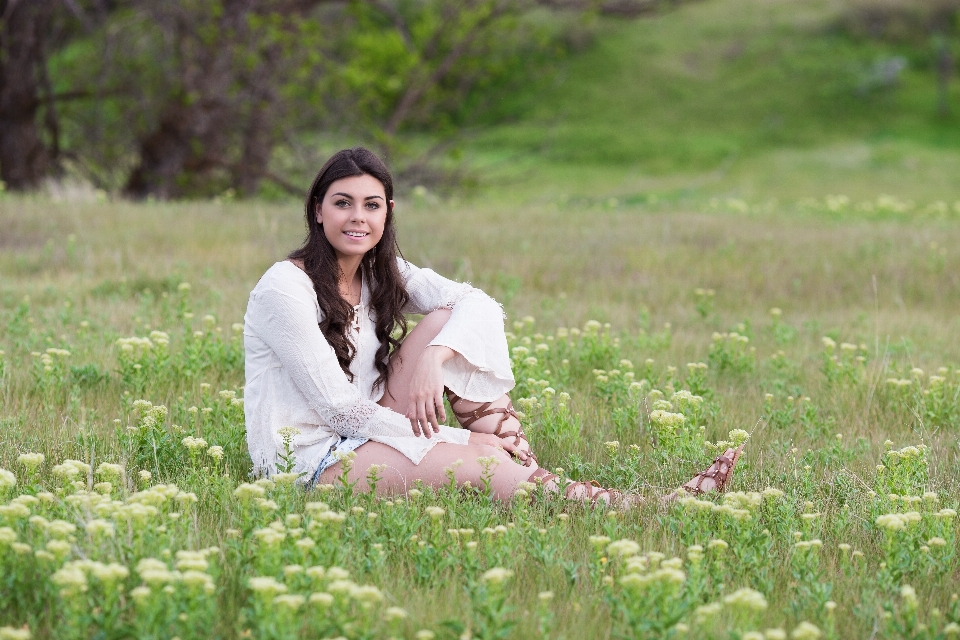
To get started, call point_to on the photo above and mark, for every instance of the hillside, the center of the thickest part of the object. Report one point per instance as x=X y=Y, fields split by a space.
x=754 y=98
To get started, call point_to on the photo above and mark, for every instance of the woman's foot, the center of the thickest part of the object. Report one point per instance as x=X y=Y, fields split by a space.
x=588 y=492
x=717 y=477
x=468 y=417
x=593 y=493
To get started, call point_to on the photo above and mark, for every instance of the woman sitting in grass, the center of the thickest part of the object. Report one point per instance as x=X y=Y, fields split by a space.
x=328 y=353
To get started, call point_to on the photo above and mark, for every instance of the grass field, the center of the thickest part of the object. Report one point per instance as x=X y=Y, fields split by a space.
x=697 y=226
x=738 y=98
x=80 y=276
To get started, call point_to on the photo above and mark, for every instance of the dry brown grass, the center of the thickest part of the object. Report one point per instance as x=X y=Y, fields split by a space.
x=561 y=263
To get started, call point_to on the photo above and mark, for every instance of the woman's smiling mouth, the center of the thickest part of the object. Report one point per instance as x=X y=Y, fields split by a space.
x=357 y=234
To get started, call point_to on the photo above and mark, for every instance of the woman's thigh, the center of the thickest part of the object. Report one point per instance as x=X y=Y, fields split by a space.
x=398 y=474
x=404 y=360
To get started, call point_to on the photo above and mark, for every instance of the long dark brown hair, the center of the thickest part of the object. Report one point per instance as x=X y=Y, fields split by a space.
x=378 y=266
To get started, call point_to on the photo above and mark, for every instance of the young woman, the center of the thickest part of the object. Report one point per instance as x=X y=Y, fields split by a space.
x=328 y=354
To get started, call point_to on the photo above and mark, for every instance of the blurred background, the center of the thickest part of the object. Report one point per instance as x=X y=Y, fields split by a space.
x=637 y=100
x=637 y=162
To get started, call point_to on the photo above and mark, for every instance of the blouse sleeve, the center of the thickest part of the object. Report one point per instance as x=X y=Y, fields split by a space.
x=286 y=320
x=480 y=370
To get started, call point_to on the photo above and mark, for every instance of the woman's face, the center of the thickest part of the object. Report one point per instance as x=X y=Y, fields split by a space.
x=353 y=213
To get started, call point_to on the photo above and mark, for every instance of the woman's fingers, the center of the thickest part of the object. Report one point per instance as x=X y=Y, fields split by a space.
x=507 y=445
x=428 y=417
x=435 y=412
x=413 y=415
x=422 y=417
x=441 y=410
x=426 y=412
x=414 y=424
x=515 y=450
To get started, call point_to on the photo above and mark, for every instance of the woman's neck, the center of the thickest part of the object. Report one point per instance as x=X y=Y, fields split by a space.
x=349 y=267
x=350 y=282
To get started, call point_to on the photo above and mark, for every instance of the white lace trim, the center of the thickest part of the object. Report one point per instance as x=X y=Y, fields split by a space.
x=453 y=295
x=355 y=421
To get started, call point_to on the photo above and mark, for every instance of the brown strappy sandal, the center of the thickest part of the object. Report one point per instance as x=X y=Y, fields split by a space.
x=542 y=476
x=468 y=418
x=614 y=498
x=720 y=476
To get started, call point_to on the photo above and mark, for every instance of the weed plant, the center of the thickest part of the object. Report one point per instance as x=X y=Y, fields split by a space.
x=127 y=509
x=157 y=531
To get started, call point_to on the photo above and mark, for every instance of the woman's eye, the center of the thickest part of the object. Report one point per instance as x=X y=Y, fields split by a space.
x=373 y=206
x=342 y=203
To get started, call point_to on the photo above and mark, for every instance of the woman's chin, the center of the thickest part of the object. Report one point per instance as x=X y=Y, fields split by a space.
x=352 y=251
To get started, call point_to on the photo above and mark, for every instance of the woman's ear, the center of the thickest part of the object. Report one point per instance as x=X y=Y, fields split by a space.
x=392 y=206
x=318 y=212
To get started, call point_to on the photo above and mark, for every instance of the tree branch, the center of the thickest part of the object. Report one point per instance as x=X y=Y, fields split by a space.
x=622 y=8
x=413 y=94
x=398 y=22
x=289 y=187
x=79 y=14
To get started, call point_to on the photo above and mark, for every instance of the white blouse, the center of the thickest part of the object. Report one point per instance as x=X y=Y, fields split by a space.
x=293 y=377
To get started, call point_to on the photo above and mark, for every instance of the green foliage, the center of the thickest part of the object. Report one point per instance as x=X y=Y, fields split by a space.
x=730 y=87
x=745 y=569
x=173 y=112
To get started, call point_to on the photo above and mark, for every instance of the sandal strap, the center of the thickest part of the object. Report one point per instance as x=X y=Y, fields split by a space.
x=467 y=418
x=596 y=496
x=542 y=476
x=589 y=485
x=719 y=475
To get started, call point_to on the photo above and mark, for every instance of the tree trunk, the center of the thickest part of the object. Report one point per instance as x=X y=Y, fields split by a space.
x=255 y=155
x=185 y=144
x=24 y=159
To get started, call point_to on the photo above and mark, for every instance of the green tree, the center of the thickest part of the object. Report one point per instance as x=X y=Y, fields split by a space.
x=191 y=98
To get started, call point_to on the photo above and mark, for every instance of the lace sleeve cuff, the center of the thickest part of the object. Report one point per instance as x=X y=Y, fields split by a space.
x=366 y=419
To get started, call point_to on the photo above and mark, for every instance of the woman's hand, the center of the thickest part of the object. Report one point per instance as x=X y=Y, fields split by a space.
x=425 y=407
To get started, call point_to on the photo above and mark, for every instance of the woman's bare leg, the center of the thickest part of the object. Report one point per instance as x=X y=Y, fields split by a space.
x=399 y=474
x=402 y=365
x=404 y=360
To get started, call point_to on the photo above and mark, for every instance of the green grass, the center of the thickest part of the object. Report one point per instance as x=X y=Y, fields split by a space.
x=96 y=272
x=732 y=97
x=671 y=181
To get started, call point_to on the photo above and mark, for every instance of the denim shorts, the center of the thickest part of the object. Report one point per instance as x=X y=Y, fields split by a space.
x=346 y=445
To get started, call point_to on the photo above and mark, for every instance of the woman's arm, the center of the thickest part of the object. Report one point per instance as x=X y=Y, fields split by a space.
x=477 y=363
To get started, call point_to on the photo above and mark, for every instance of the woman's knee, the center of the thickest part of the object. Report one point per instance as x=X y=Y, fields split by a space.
x=431 y=324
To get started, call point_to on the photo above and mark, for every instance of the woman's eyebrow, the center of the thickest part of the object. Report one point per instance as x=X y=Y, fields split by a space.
x=347 y=195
